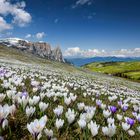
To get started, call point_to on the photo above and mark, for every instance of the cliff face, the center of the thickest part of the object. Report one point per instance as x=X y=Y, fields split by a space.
x=40 y=49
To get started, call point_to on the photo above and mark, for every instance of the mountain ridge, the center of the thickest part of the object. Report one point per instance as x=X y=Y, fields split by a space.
x=41 y=49
x=82 y=61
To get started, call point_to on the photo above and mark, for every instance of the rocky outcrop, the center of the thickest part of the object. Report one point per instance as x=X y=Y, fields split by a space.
x=41 y=49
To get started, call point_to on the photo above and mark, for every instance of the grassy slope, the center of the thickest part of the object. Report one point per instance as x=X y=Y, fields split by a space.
x=130 y=70
x=10 y=54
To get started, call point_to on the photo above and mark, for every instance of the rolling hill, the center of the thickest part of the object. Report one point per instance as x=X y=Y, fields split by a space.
x=129 y=70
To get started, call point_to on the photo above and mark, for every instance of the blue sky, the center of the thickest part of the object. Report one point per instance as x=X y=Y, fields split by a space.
x=98 y=25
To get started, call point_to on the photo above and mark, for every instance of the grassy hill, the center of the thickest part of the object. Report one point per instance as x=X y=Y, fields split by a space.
x=130 y=70
x=8 y=54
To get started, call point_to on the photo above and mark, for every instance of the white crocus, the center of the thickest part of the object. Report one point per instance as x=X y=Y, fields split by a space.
x=48 y=133
x=2 y=97
x=12 y=109
x=110 y=120
x=103 y=106
x=125 y=126
x=70 y=115
x=106 y=113
x=119 y=117
x=131 y=133
x=23 y=101
x=36 y=127
x=59 y=123
x=4 y=123
x=58 y=111
x=36 y=99
x=82 y=123
x=110 y=130
x=30 y=111
x=67 y=100
x=43 y=106
x=73 y=97
x=4 y=112
x=80 y=106
x=93 y=128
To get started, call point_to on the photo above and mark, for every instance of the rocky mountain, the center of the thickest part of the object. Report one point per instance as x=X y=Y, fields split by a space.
x=41 y=49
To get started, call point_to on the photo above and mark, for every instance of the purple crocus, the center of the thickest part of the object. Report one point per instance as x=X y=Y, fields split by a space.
x=130 y=121
x=113 y=109
x=120 y=103
x=124 y=108
x=138 y=119
x=2 y=72
x=25 y=94
x=98 y=102
x=134 y=114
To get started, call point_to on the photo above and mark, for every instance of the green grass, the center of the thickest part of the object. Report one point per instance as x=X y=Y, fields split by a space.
x=130 y=70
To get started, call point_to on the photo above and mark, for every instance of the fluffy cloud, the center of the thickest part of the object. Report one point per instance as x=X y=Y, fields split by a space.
x=40 y=35
x=77 y=52
x=72 y=52
x=82 y=2
x=20 y=17
x=28 y=36
x=4 y=25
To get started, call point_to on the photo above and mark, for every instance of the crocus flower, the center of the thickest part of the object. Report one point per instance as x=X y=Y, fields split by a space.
x=59 y=110
x=125 y=126
x=124 y=108
x=98 y=102
x=48 y=133
x=138 y=118
x=30 y=111
x=110 y=130
x=113 y=109
x=93 y=128
x=106 y=113
x=70 y=115
x=2 y=97
x=24 y=93
x=43 y=106
x=82 y=123
x=131 y=133
x=36 y=127
x=130 y=121
x=119 y=117
x=120 y=103
x=59 y=123
x=4 y=112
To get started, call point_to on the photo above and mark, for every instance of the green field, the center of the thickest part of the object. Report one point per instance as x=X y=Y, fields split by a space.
x=129 y=70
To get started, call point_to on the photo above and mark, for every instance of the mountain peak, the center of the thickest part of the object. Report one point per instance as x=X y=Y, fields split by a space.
x=41 y=49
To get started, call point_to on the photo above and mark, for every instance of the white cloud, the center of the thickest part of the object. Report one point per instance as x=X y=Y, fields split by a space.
x=28 y=36
x=72 y=52
x=82 y=2
x=3 y=25
x=77 y=52
x=40 y=35
x=20 y=17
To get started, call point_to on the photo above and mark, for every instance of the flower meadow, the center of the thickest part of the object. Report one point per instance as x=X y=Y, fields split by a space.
x=41 y=102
